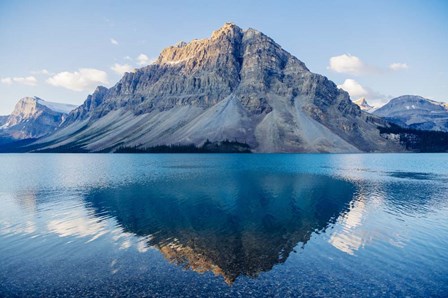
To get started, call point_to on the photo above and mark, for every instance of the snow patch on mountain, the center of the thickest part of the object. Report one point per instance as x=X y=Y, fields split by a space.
x=57 y=107
x=34 y=117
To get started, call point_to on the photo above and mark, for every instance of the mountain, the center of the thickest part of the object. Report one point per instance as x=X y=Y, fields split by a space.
x=3 y=119
x=230 y=242
x=33 y=117
x=238 y=85
x=362 y=104
x=416 y=112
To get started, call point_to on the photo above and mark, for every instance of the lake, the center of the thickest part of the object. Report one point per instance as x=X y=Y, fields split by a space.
x=220 y=225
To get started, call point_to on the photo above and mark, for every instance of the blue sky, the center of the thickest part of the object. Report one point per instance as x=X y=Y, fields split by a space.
x=61 y=50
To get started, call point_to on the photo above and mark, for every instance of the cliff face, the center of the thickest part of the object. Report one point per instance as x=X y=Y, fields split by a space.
x=33 y=118
x=236 y=85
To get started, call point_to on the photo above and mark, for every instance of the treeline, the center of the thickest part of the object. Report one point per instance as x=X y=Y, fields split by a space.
x=208 y=147
x=419 y=140
x=9 y=145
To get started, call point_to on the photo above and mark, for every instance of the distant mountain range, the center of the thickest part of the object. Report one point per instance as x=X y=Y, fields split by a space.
x=416 y=112
x=235 y=91
x=32 y=118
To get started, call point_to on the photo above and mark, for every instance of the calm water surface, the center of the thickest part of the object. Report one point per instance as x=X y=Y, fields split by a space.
x=224 y=225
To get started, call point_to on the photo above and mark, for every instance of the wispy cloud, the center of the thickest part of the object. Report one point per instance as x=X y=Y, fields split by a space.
x=83 y=79
x=114 y=41
x=144 y=60
x=131 y=64
x=398 y=66
x=6 y=81
x=40 y=72
x=122 y=68
x=29 y=81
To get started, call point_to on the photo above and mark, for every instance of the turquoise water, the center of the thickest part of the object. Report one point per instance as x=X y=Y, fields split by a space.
x=224 y=225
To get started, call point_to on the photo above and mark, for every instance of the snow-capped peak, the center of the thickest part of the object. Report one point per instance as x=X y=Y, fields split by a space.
x=57 y=107
x=362 y=103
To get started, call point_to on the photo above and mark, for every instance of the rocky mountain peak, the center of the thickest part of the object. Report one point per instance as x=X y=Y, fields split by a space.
x=408 y=98
x=415 y=112
x=31 y=106
x=363 y=104
x=362 y=101
x=229 y=30
x=180 y=44
x=34 y=117
x=26 y=107
x=412 y=102
x=200 y=49
x=237 y=85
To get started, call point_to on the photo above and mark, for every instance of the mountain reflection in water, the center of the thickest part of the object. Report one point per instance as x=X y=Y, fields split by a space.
x=230 y=225
x=102 y=225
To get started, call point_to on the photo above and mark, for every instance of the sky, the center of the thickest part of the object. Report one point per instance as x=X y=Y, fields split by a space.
x=61 y=50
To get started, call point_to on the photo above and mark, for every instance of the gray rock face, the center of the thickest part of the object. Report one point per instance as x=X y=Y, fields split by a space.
x=3 y=120
x=33 y=118
x=236 y=85
x=416 y=112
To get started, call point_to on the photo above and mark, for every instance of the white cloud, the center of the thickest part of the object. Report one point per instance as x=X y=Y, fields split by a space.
x=30 y=80
x=144 y=60
x=7 y=81
x=83 y=79
x=77 y=223
x=114 y=41
x=353 y=88
x=122 y=68
x=128 y=58
x=349 y=64
x=398 y=66
x=40 y=72
x=353 y=65
x=356 y=91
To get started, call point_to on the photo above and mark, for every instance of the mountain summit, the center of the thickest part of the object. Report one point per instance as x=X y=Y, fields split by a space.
x=238 y=85
x=363 y=104
x=416 y=112
x=33 y=117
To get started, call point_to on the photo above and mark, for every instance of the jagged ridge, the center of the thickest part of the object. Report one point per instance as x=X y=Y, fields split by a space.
x=236 y=85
